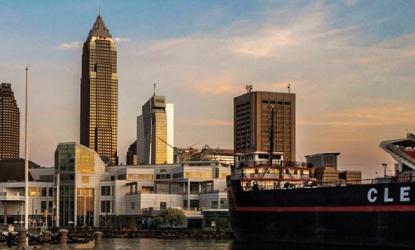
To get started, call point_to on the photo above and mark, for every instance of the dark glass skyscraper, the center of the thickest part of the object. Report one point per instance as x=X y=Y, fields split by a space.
x=99 y=93
x=252 y=123
x=9 y=123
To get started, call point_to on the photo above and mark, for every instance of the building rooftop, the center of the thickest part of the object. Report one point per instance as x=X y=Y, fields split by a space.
x=99 y=29
x=13 y=170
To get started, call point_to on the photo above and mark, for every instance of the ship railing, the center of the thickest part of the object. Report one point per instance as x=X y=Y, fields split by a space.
x=319 y=184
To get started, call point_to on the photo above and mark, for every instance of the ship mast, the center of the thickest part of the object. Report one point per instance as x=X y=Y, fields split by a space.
x=271 y=137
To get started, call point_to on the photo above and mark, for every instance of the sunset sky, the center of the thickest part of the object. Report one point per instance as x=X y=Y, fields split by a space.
x=350 y=63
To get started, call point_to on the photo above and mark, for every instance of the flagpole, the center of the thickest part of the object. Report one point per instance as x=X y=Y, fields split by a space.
x=26 y=215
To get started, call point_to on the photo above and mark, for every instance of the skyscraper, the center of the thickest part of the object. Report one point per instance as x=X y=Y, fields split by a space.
x=131 y=157
x=99 y=93
x=252 y=116
x=9 y=123
x=155 y=132
x=170 y=132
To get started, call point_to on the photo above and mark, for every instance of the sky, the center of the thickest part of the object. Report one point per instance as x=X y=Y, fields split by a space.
x=350 y=63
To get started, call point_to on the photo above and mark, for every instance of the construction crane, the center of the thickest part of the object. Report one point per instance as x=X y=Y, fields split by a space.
x=178 y=151
x=206 y=152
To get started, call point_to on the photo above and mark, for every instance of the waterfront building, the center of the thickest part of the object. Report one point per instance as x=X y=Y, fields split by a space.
x=80 y=171
x=131 y=193
x=9 y=123
x=252 y=116
x=99 y=93
x=12 y=194
x=90 y=194
x=131 y=158
x=155 y=132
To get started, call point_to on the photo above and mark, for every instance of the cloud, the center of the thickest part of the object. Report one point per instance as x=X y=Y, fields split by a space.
x=122 y=39
x=71 y=45
x=381 y=115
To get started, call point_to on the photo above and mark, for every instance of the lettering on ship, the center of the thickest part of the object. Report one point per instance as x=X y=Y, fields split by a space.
x=386 y=196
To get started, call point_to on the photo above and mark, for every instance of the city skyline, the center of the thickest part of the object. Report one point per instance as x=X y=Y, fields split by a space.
x=348 y=61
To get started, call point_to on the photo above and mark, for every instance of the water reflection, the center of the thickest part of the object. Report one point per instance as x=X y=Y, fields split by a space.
x=170 y=244
x=280 y=246
x=197 y=244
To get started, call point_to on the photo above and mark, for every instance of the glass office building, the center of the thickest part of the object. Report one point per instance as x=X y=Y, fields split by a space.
x=80 y=170
x=99 y=93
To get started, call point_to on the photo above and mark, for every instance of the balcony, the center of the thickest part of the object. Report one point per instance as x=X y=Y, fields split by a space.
x=4 y=196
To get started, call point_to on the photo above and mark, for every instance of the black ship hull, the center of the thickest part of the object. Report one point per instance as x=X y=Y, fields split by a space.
x=378 y=215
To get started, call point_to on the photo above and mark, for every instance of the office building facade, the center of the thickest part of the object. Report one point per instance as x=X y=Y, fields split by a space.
x=80 y=171
x=99 y=93
x=155 y=132
x=9 y=123
x=170 y=132
x=252 y=123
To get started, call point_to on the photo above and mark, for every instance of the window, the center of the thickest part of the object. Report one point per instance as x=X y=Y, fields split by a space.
x=132 y=205
x=50 y=192
x=224 y=203
x=105 y=206
x=214 y=204
x=43 y=206
x=43 y=191
x=106 y=190
x=163 y=205
x=50 y=207
x=85 y=179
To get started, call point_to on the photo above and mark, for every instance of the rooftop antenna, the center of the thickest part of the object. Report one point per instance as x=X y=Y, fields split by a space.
x=289 y=88
x=154 y=86
x=248 y=88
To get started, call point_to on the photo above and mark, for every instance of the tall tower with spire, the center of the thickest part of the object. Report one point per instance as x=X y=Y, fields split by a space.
x=99 y=93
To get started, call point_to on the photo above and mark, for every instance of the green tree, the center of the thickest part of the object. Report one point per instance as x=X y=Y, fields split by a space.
x=171 y=217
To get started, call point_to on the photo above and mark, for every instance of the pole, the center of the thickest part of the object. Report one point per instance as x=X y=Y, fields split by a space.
x=58 y=180
x=26 y=212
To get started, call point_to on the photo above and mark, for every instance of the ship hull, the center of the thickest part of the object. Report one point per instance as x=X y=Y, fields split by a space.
x=381 y=215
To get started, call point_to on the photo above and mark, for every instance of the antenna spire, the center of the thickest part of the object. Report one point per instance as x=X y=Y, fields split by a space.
x=248 y=88
x=289 y=87
x=154 y=86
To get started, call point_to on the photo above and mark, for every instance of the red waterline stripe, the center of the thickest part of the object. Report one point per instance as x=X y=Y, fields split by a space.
x=384 y=208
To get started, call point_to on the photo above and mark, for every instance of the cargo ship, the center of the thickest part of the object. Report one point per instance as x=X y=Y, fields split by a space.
x=272 y=200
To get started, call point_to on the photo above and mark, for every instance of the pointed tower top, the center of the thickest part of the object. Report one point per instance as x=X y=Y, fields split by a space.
x=99 y=28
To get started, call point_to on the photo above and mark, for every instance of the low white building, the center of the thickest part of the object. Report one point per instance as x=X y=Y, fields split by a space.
x=131 y=192
x=41 y=198
x=91 y=194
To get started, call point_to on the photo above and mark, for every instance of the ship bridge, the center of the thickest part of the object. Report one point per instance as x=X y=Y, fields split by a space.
x=403 y=151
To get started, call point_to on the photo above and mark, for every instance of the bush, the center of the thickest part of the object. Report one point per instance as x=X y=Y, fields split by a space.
x=170 y=217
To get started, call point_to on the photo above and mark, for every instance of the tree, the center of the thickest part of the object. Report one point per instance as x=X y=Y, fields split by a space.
x=170 y=216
